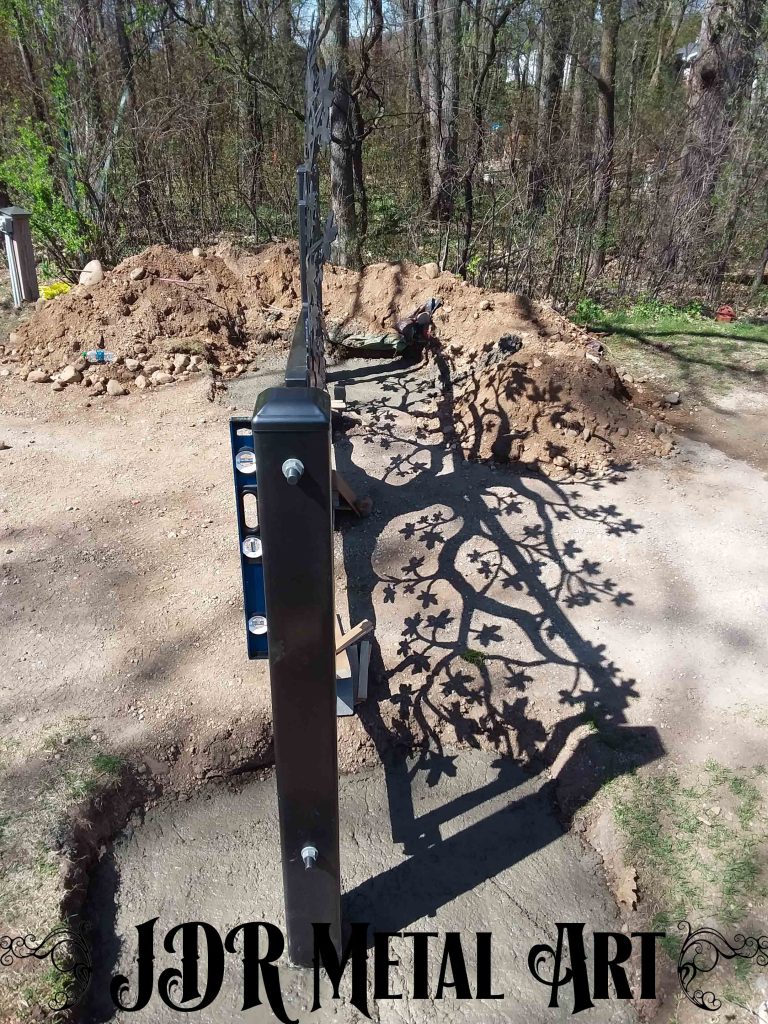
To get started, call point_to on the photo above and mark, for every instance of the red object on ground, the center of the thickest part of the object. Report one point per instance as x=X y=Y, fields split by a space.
x=725 y=314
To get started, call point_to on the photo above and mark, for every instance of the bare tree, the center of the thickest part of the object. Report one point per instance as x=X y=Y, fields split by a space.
x=442 y=29
x=719 y=82
x=346 y=248
x=605 y=132
x=555 y=32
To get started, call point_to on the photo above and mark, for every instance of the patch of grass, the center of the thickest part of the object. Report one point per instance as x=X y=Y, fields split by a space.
x=107 y=764
x=64 y=768
x=47 y=989
x=682 y=348
x=698 y=845
x=476 y=658
x=88 y=776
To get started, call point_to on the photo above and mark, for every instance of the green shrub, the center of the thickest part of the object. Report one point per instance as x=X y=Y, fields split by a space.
x=649 y=310
x=28 y=171
x=589 y=312
x=385 y=215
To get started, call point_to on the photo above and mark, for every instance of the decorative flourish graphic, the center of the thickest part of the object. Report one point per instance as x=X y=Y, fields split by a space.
x=68 y=951
x=701 y=953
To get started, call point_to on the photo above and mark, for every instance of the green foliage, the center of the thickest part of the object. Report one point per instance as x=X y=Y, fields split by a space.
x=650 y=310
x=644 y=310
x=28 y=169
x=473 y=265
x=589 y=312
x=385 y=215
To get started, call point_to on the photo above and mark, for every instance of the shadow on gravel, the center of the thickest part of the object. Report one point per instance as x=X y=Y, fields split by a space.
x=474 y=560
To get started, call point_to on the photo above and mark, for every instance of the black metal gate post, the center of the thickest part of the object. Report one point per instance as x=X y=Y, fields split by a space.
x=292 y=441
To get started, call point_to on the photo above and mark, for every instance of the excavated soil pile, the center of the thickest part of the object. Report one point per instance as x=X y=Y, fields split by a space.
x=526 y=384
x=164 y=313
x=553 y=406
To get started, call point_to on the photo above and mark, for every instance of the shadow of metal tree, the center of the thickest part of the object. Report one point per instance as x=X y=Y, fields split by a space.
x=473 y=562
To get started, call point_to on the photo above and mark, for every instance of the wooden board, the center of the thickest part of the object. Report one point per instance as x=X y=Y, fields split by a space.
x=344 y=640
x=345 y=491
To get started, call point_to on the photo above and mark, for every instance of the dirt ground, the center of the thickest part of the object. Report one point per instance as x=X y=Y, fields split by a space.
x=597 y=628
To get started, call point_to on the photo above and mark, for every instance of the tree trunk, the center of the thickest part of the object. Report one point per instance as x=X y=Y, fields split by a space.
x=28 y=63
x=450 y=31
x=249 y=104
x=667 y=40
x=719 y=83
x=434 y=98
x=346 y=248
x=414 y=99
x=285 y=25
x=485 y=43
x=552 y=64
x=583 y=36
x=442 y=36
x=604 y=133
x=762 y=263
x=377 y=23
x=148 y=208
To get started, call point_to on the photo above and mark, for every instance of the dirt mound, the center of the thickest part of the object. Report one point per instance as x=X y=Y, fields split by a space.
x=156 y=307
x=552 y=406
x=526 y=383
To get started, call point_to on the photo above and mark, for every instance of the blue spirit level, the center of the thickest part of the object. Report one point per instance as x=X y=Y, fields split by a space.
x=249 y=535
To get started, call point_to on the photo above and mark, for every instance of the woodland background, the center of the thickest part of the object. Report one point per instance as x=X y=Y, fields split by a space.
x=559 y=148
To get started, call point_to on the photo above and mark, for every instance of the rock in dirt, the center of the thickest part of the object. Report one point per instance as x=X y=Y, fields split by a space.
x=38 y=377
x=486 y=304
x=132 y=364
x=431 y=270
x=92 y=273
x=141 y=382
x=114 y=387
x=180 y=361
x=138 y=274
x=57 y=386
x=4 y=447
x=99 y=388
x=70 y=375
x=162 y=377
x=672 y=398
